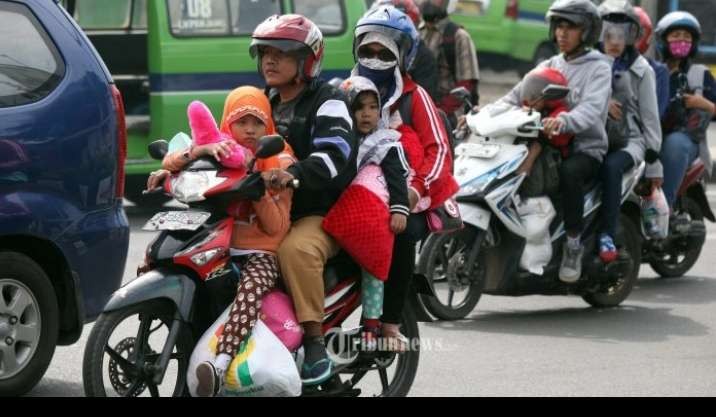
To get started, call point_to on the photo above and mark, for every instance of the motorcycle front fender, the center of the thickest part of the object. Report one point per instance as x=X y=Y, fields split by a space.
x=156 y=284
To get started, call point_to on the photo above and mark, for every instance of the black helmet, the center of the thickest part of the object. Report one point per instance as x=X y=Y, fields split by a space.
x=433 y=10
x=582 y=13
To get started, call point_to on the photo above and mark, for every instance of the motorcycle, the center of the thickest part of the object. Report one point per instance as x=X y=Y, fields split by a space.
x=142 y=342
x=675 y=255
x=505 y=249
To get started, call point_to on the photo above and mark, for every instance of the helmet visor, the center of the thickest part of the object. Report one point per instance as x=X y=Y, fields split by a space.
x=285 y=45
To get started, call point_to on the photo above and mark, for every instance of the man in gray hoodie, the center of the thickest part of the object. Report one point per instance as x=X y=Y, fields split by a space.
x=575 y=26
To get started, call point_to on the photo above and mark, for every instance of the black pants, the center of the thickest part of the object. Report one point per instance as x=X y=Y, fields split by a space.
x=402 y=267
x=575 y=173
x=613 y=169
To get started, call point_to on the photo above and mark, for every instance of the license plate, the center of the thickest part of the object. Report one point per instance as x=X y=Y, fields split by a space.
x=474 y=215
x=177 y=220
x=479 y=150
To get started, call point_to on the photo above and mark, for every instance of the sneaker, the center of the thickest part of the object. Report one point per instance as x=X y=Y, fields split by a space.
x=607 y=250
x=209 y=380
x=571 y=268
x=318 y=367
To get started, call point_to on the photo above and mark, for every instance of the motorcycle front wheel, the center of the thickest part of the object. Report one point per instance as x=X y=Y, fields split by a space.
x=123 y=350
x=444 y=261
x=629 y=238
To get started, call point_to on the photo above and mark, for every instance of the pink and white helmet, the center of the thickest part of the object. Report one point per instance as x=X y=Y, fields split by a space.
x=292 y=33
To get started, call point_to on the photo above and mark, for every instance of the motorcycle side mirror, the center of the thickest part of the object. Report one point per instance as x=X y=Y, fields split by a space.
x=554 y=92
x=336 y=82
x=269 y=146
x=461 y=93
x=158 y=149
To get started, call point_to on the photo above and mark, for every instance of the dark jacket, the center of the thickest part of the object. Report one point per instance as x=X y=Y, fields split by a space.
x=321 y=135
x=425 y=70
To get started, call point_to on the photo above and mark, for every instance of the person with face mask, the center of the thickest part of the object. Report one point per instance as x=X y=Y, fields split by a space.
x=633 y=126
x=692 y=93
x=385 y=45
x=425 y=69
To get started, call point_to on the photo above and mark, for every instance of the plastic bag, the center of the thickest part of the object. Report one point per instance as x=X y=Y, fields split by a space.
x=655 y=215
x=263 y=367
x=536 y=214
x=278 y=314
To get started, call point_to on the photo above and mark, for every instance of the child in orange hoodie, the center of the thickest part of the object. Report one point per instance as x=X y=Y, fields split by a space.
x=259 y=227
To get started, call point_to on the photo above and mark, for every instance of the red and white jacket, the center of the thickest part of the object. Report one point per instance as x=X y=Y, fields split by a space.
x=433 y=172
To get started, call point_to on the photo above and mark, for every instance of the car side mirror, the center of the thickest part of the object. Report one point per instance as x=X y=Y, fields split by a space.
x=158 y=149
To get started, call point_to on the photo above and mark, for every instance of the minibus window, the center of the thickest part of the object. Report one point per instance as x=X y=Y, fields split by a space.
x=474 y=8
x=329 y=15
x=103 y=14
x=247 y=14
x=199 y=17
x=139 y=14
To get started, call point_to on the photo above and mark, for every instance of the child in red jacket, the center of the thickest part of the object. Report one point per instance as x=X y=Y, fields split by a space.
x=531 y=96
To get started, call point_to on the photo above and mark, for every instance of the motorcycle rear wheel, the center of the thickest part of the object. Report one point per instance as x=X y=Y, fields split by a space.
x=678 y=263
x=628 y=237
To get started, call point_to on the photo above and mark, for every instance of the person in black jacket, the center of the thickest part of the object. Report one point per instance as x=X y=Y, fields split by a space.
x=313 y=117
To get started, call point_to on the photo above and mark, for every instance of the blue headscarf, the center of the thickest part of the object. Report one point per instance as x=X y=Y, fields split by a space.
x=383 y=79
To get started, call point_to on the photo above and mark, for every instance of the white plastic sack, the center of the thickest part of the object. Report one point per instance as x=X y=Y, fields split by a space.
x=264 y=368
x=655 y=214
x=536 y=214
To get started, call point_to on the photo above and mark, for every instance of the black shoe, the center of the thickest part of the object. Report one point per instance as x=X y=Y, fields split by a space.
x=210 y=382
x=317 y=367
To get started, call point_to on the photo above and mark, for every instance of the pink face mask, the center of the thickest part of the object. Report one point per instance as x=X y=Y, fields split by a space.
x=680 y=49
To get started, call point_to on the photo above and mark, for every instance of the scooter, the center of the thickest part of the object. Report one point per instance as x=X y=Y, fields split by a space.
x=675 y=255
x=142 y=342
x=511 y=246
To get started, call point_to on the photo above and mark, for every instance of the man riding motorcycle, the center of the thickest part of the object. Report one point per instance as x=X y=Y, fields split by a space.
x=575 y=25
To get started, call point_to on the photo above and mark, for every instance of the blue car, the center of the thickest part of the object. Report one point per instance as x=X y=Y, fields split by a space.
x=64 y=235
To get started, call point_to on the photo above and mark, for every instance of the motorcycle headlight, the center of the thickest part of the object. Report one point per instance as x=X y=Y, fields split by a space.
x=190 y=186
x=479 y=184
x=202 y=258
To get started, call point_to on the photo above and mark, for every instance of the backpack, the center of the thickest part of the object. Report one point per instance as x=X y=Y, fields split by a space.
x=406 y=114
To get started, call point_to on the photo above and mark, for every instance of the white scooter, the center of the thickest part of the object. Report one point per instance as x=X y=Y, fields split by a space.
x=513 y=246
